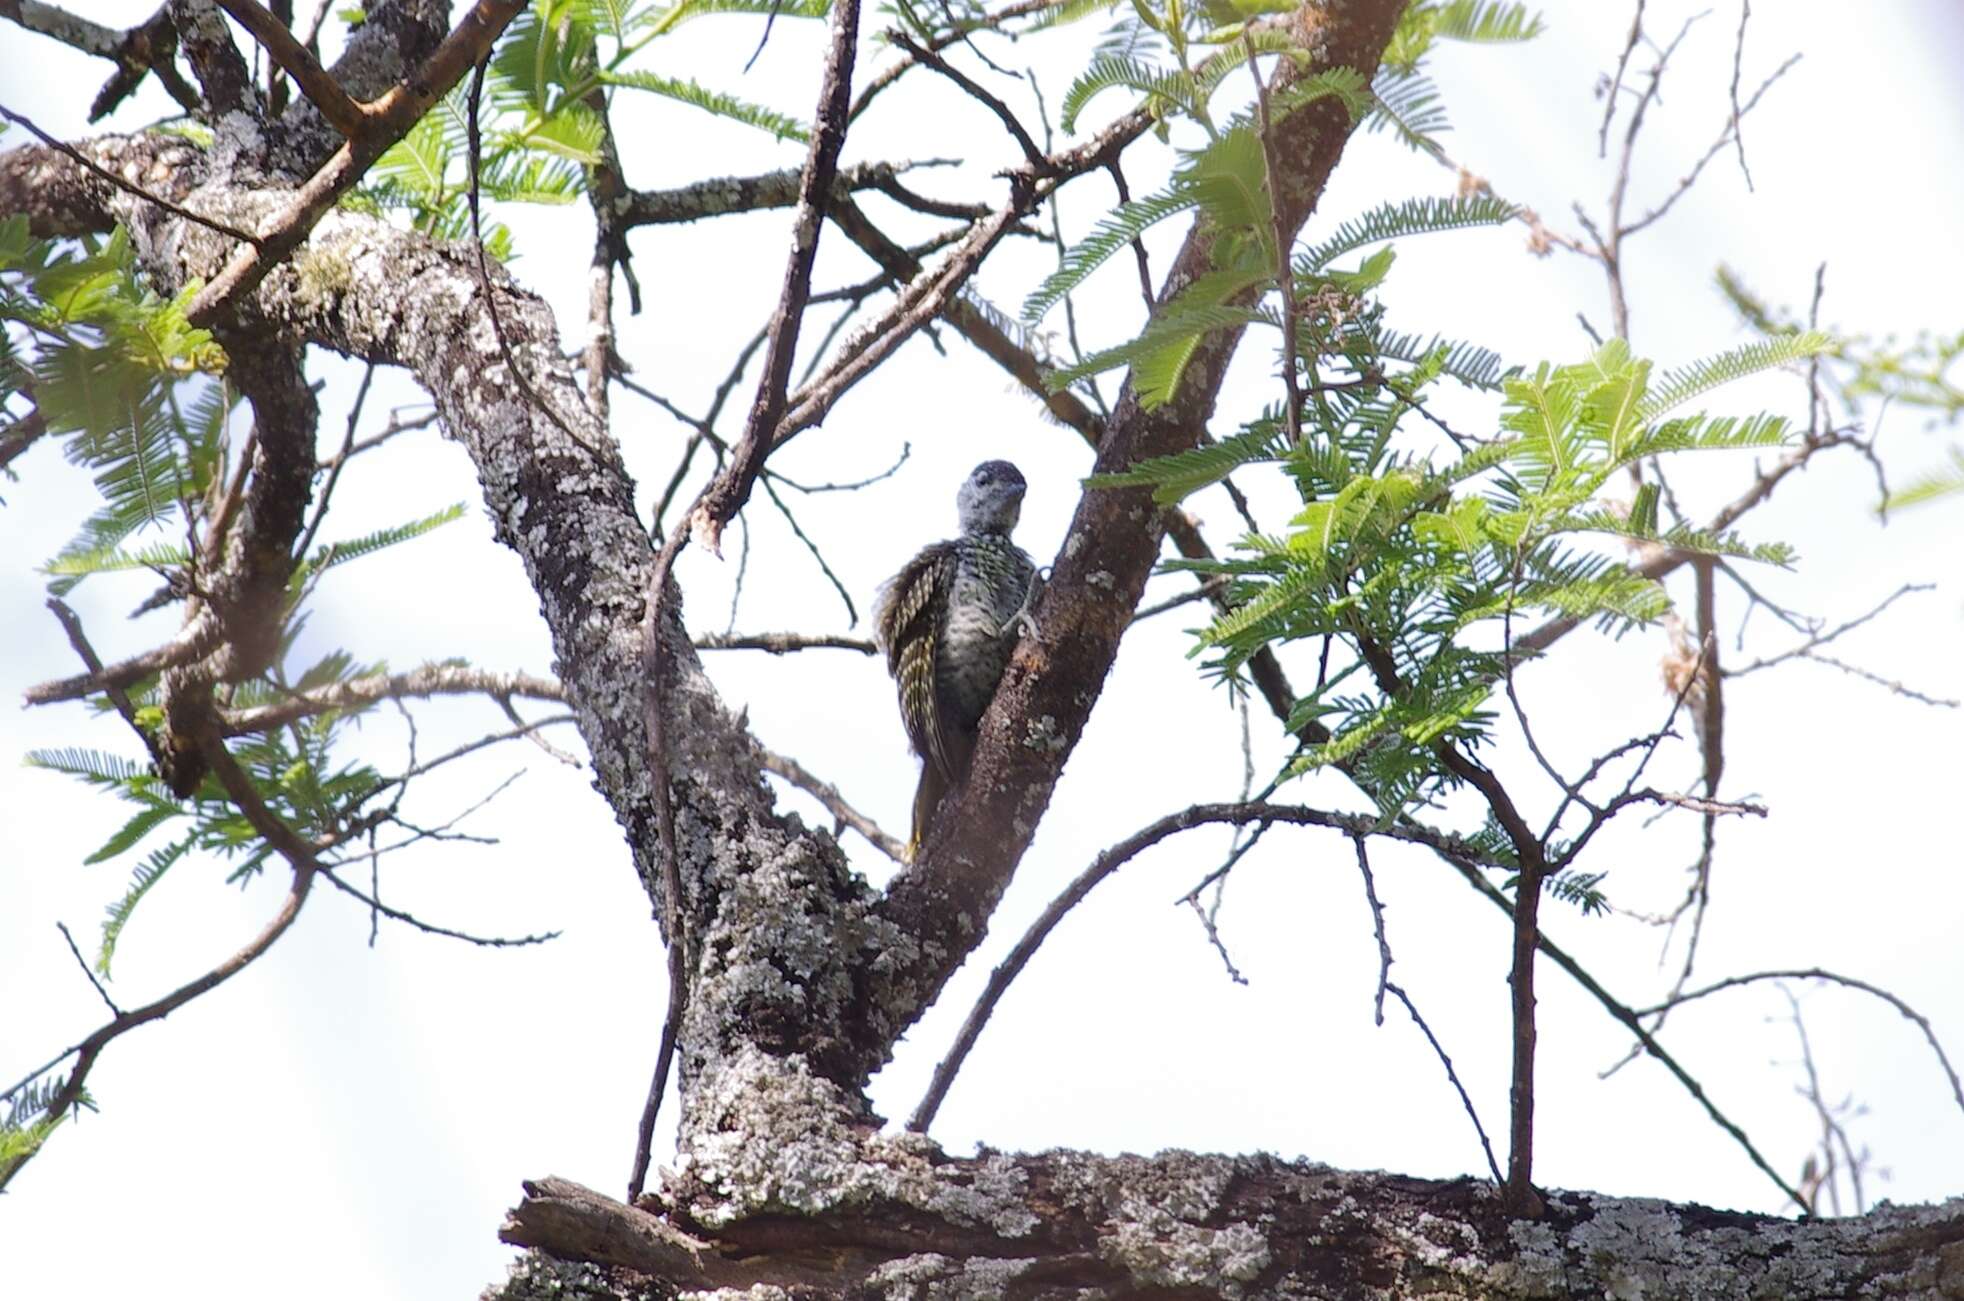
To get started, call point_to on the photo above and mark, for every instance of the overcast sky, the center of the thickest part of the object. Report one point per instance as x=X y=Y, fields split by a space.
x=352 y=1120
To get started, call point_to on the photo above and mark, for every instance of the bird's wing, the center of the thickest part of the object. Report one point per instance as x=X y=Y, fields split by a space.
x=912 y=607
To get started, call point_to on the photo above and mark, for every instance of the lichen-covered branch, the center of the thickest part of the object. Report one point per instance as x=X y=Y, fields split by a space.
x=888 y=1219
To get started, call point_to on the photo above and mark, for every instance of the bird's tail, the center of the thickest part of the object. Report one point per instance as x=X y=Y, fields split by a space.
x=927 y=798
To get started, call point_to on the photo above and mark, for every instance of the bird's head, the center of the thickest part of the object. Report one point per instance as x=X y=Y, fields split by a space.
x=991 y=498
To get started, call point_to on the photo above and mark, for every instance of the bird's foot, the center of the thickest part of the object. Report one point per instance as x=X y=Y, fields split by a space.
x=1024 y=620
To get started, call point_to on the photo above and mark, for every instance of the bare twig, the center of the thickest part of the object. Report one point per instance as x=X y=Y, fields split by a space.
x=1206 y=591
x=1738 y=57
x=784 y=643
x=1725 y=137
x=1908 y=1013
x=835 y=804
x=72 y=626
x=88 y=971
x=531 y=734
x=906 y=450
x=1616 y=82
x=1377 y=925
x=726 y=495
x=960 y=34
x=921 y=54
x=852 y=611
x=334 y=467
x=105 y=175
x=430 y=928
x=1465 y=1100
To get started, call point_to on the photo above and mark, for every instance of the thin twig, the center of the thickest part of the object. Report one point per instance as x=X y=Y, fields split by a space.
x=1616 y=84
x=784 y=643
x=104 y=174
x=1377 y=925
x=1835 y=978
x=835 y=803
x=430 y=928
x=1285 y=277
x=1438 y=1049
x=88 y=971
x=727 y=494
x=1738 y=58
x=1035 y=156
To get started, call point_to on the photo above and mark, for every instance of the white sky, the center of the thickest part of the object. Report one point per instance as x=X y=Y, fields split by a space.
x=343 y=1120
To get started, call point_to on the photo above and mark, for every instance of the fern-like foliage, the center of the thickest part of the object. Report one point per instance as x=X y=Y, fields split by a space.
x=1930 y=486
x=1398 y=220
x=1687 y=382
x=715 y=102
x=339 y=553
x=1409 y=105
x=1419 y=569
x=1115 y=232
x=122 y=377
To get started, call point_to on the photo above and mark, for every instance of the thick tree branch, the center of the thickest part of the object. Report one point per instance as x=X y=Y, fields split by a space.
x=1180 y=1225
x=388 y=119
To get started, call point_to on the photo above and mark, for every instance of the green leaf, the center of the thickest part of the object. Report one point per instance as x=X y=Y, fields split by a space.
x=1164 y=90
x=140 y=825
x=150 y=871
x=97 y=767
x=1702 y=433
x=1182 y=474
x=419 y=163
x=1160 y=355
x=667 y=18
x=1486 y=21
x=339 y=553
x=712 y=101
x=1929 y=487
x=1402 y=218
x=1408 y=103
x=99 y=560
x=1466 y=362
x=1116 y=231
x=1229 y=179
x=1687 y=382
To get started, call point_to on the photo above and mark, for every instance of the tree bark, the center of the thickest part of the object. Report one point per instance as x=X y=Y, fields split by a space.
x=1179 y=1225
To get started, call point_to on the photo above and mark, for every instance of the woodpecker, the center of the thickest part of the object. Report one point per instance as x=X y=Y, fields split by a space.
x=947 y=622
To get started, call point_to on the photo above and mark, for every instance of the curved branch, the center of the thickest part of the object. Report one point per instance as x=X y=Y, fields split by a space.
x=1354 y=825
